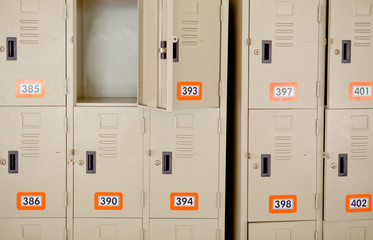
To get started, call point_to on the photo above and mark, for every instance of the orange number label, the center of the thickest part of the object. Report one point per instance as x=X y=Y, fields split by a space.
x=360 y=91
x=284 y=91
x=359 y=203
x=108 y=201
x=189 y=91
x=30 y=88
x=283 y=204
x=30 y=201
x=184 y=201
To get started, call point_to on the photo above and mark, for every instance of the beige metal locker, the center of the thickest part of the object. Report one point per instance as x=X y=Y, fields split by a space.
x=284 y=38
x=32 y=50
x=282 y=165
x=184 y=163
x=348 y=230
x=348 y=166
x=108 y=162
x=33 y=228
x=107 y=229
x=33 y=168
x=200 y=229
x=302 y=230
x=180 y=54
x=350 y=54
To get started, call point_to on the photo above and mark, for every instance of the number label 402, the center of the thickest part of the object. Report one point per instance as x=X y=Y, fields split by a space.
x=184 y=201
x=359 y=203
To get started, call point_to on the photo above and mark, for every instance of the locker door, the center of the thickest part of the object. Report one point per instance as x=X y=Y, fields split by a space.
x=184 y=163
x=282 y=231
x=283 y=69
x=32 y=228
x=184 y=70
x=350 y=54
x=33 y=41
x=348 y=230
x=107 y=229
x=348 y=168
x=32 y=167
x=282 y=165
x=193 y=229
x=108 y=162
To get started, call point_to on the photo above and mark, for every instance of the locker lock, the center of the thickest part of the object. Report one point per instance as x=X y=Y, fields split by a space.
x=256 y=51
x=157 y=163
x=256 y=166
x=2 y=49
x=333 y=166
x=81 y=162
x=337 y=52
x=3 y=162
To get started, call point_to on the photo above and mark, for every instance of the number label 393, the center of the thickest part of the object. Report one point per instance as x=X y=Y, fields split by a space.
x=30 y=201
x=283 y=204
x=108 y=201
x=359 y=203
x=184 y=201
x=189 y=91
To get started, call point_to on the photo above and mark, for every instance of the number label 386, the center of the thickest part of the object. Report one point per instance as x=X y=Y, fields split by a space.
x=30 y=201
x=283 y=204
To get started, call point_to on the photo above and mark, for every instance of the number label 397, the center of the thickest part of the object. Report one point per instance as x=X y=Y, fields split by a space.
x=284 y=91
x=359 y=203
x=283 y=204
x=30 y=201
x=184 y=201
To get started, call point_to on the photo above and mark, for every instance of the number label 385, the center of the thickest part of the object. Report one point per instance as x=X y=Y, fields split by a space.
x=283 y=204
x=184 y=201
x=30 y=88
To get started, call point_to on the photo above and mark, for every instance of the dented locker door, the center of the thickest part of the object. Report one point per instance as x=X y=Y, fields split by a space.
x=33 y=228
x=348 y=230
x=193 y=229
x=348 y=165
x=184 y=164
x=99 y=228
x=284 y=59
x=282 y=165
x=33 y=168
x=108 y=146
x=350 y=54
x=282 y=231
x=33 y=40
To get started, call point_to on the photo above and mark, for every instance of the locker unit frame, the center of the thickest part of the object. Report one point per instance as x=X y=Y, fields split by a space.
x=239 y=178
x=72 y=103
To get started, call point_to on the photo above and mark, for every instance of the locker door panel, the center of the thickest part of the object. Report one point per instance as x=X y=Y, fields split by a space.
x=33 y=37
x=348 y=230
x=350 y=54
x=101 y=228
x=348 y=167
x=184 y=160
x=32 y=163
x=282 y=165
x=113 y=139
x=284 y=59
x=282 y=231
x=194 y=229
x=33 y=228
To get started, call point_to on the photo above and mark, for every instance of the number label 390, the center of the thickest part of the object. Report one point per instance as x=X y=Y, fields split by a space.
x=359 y=203
x=283 y=204
x=184 y=201
x=108 y=201
x=30 y=201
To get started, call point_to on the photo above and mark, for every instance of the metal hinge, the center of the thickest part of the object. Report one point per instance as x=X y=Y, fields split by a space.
x=66 y=86
x=66 y=199
x=219 y=125
x=319 y=9
x=249 y=41
x=248 y=156
x=218 y=200
x=316 y=201
x=218 y=234
x=316 y=235
x=65 y=11
x=149 y=152
x=163 y=50
x=142 y=234
x=142 y=199
x=221 y=13
x=317 y=131
x=325 y=155
x=318 y=89
x=325 y=41
x=72 y=152
x=66 y=234
x=66 y=124
x=142 y=125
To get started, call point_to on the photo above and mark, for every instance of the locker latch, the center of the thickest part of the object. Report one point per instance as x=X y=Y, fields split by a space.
x=163 y=50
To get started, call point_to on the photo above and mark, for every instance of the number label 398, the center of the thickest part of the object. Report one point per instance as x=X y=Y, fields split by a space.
x=283 y=204
x=184 y=201
x=359 y=203
x=30 y=201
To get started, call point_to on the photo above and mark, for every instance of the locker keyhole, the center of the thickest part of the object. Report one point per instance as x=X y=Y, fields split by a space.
x=167 y=162
x=13 y=162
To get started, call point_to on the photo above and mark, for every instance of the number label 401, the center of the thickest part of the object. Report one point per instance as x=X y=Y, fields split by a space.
x=360 y=91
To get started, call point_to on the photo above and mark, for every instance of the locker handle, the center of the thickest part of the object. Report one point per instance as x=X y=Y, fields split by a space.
x=167 y=163
x=13 y=161
x=266 y=165
x=346 y=51
x=176 y=50
x=342 y=165
x=11 y=43
x=91 y=162
x=267 y=51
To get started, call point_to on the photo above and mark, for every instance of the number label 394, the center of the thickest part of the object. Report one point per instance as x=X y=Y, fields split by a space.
x=30 y=201
x=359 y=203
x=184 y=201
x=283 y=204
